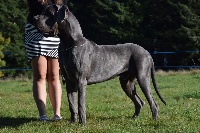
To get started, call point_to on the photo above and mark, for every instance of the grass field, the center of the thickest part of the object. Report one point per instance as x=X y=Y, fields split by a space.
x=109 y=110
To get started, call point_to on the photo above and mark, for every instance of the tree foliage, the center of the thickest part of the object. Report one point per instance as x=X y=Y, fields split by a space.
x=170 y=26
x=108 y=21
x=157 y=25
x=3 y=43
x=12 y=21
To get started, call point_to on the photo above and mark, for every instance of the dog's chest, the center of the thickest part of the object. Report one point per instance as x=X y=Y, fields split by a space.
x=75 y=59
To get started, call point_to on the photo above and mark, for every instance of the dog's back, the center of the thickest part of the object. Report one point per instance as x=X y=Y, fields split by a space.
x=108 y=61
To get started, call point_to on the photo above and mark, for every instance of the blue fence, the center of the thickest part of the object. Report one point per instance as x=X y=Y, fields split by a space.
x=163 y=61
x=175 y=52
x=165 y=56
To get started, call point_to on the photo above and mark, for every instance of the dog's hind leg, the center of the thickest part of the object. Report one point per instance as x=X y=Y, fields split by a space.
x=129 y=88
x=143 y=78
x=72 y=99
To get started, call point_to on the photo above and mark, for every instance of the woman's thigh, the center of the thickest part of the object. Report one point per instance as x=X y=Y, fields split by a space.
x=53 y=67
x=39 y=66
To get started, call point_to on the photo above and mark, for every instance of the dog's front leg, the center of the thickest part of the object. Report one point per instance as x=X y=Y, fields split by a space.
x=81 y=100
x=72 y=99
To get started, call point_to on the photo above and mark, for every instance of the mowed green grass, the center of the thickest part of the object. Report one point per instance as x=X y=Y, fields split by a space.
x=109 y=110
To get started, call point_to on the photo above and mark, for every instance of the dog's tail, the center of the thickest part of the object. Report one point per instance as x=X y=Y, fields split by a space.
x=155 y=84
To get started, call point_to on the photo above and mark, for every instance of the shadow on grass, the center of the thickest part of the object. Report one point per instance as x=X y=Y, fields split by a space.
x=14 y=122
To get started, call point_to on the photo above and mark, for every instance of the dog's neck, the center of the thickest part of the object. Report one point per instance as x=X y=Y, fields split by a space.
x=68 y=42
x=71 y=33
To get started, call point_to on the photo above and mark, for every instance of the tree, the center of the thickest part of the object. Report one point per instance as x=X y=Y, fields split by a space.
x=3 y=43
x=108 y=21
x=157 y=25
x=12 y=21
x=170 y=26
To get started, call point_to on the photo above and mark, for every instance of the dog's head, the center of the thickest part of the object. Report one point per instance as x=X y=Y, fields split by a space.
x=48 y=21
x=58 y=20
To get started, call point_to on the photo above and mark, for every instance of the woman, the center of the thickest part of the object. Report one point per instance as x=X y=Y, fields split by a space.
x=43 y=54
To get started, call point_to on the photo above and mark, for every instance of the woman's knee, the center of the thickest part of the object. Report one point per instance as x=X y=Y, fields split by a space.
x=53 y=76
x=40 y=76
x=53 y=69
x=39 y=66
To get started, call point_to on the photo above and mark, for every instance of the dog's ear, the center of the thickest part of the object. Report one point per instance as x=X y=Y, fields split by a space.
x=65 y=8
x=66 y=15
x=66 y=12
x=61 y=13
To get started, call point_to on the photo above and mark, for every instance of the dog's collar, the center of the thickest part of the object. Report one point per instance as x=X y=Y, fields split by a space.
x=77 y=46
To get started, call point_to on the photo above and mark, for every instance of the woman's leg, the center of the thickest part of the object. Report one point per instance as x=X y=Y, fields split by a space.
x=39 y=66
x=55 y=91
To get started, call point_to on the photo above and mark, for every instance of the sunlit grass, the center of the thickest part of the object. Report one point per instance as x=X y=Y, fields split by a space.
x=108 y=108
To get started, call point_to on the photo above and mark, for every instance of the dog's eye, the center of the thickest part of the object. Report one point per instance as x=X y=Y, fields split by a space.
x=48 y=13
x=52 y=10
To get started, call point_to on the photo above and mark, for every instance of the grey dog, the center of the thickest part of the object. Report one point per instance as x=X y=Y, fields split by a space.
x=83 y=62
